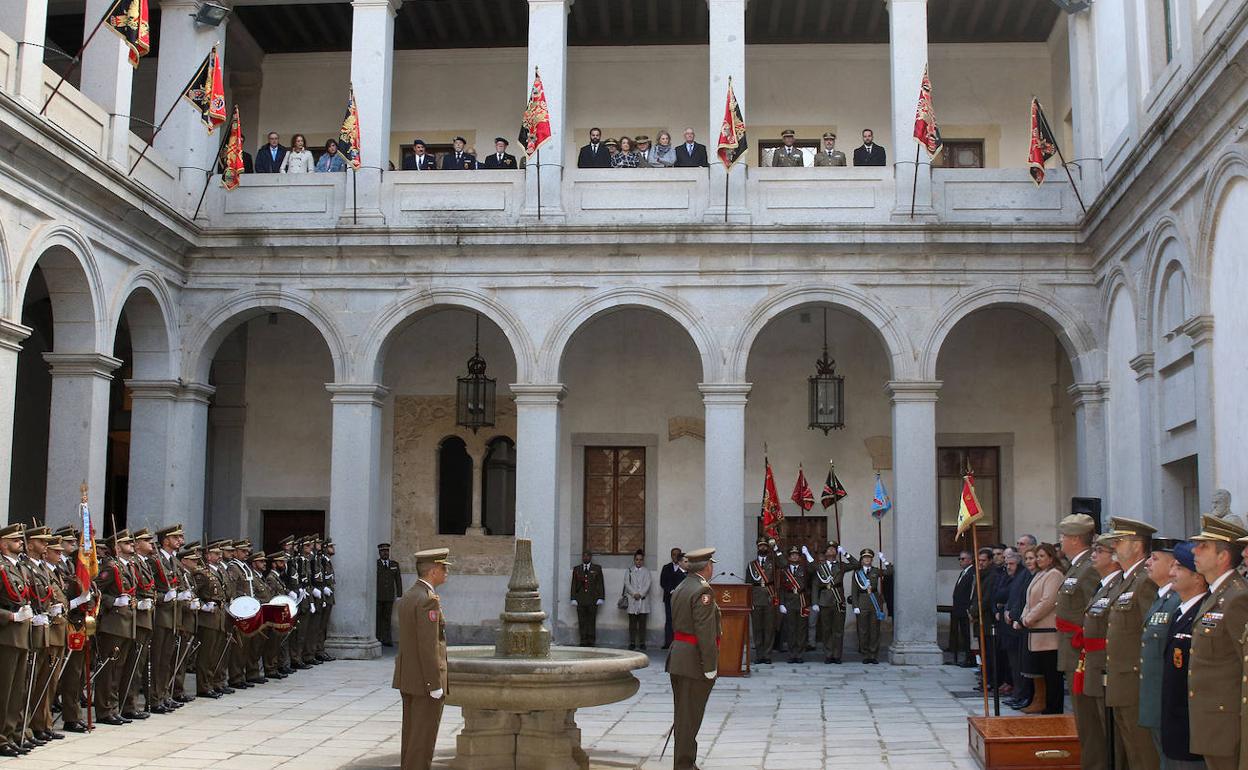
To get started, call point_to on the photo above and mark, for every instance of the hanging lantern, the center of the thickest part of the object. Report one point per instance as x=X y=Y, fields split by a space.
x=474 y=394
x=827 y=391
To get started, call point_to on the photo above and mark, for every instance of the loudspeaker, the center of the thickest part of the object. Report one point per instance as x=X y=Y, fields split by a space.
x=1089 y=505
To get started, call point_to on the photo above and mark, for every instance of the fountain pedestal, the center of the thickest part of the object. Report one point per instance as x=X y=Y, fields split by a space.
x=538 y=740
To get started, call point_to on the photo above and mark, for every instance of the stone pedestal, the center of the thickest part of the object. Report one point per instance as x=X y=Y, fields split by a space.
x=503 y=740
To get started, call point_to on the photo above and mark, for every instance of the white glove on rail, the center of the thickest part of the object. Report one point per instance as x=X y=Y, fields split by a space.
x=436 y=694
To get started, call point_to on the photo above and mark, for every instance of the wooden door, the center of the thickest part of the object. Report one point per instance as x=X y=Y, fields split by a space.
x=279 y=524
x=809 y=531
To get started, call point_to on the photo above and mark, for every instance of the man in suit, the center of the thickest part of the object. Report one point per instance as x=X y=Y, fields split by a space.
x=691 y=154
x=960 y=616
x=500 y=159
x=693 y=662
x=420 y=159
x=269 y=157
x=829 y=155
x=1079 y=586
x=1214 y=679
x=459 y=159
x=389 y=588
x=594 y=154
x=669 y=578
x=788 y=155
x=587 y=595
x=420 y=666
x=870 y=153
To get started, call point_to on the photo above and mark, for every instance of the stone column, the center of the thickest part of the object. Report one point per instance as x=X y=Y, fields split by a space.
x=914 y=506
x=184 y=142
x=1150 y=477
x=11 y=336
x=478 y=461
x=372 y=75
x=907 y=38
x=727 y=60
x=1086 y=152
x=107 y=79
x=223 y=512
x=188 y=458
x=78 y=432
x=548 y=52
x=1091 y=478
x=26 y=21
x=245 y=88
x=151 y=418
x=354 y=496
x=1200 y=330
x=725 y=527
x=538 y=443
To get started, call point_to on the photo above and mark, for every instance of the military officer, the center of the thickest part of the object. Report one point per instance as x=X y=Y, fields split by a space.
x=458 y=159
x=327 y=599
x=1129 y=603
x=760 y=573
x=788 y=155
x=16 y=615
x=587 y=595
x=1089 y=679
x=693 y=660
x=793 y=583
x=866 y=601
x=188 y=617
x=260 y=643
x=1156 y=631
x=829 y=155
x=229 y=636
x=135 y=668
x=500 y=159
x=238 y=584
x=210 y=590
x=46 y=681
x=1217 y=665
x=80 y=593
x=1175 y=730
x=1081 y=582
x=389 y=588
x=828 y=599
x=420 y=666
x=40 y=602
x=115 y=636
x=165 y=623
x=277 y=639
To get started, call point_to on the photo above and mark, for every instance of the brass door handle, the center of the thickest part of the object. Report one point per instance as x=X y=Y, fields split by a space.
x=1052 y=754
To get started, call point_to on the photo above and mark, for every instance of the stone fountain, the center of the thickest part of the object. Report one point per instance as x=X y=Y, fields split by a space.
x=519 y=698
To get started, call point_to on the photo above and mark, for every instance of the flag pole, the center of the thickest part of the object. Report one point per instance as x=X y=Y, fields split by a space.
x=1062 y=158
x=172 y=107
x=914 y=189
x=979 y=597
x=727 y=173
x=208 y=179
x=73 y=64
x=355 y=197
x=539 y=184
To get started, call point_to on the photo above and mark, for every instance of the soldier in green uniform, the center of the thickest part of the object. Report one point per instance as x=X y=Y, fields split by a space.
x=210 y=590
x=188 y=617
x=40 y=600
x=420 y=667
x=587 y=595
x=867 y=602
x=828 y=599
x=1156 y=633
x=165 y=624
x=1089 y=680
x=80 y=594
x=134 y=670
x=15 y=623
x=277 y=639
x=327 y=598
x=116 y=627
x=389 y=588
x=792 y=581
x=693 y=660
x=760 y=574
x=829 y=155
x=41 y=719
x=1217 y=659
x=788 y=155
x=1080 y=584
x=1129 y=604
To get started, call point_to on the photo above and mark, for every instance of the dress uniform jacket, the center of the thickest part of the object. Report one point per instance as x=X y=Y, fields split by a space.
x=587 y=590
x=788 y=157
x=828 y=593
x=1176 y=661
x=865 y=585
x=14 y=643
x=57 y=636
x=793 y=583
x=459 y=161
x=389 y=580
x=694 y=654
x=492 y=161
x=424 y=162
x=1095 y=627
x=835 y=158
x=1152 y=646
x=166 y=580
x=114 y=581
x=420 y=669
x=760 y=573
x=1129 y=604
x=1214 y=680
x=1073 y=598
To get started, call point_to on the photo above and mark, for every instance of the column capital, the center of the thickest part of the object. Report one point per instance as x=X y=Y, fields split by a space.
x=912 y=390
x=538 y=394
x=154 y=389
x=82 y=364
x=713 y=3
x=1088 y=393
x=1142 y=365
x=567 y=3
x=367 y=393
x=393 y=4
x=197 y=392
x=1199 y=328
x=725 y=393
x=12 y=334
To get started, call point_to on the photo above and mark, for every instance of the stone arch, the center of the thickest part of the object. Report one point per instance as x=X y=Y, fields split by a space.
x=1117 y=280
x=1168 y=246
x=1072 y=331
x=74 y=284
x=1228 y=169
x=875 y=313
x=550 y=359
x=154 y=333
x=8 y=285
x=204 y=339
x=371 y=353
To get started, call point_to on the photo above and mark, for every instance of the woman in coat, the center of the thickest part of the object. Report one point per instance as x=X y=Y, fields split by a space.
x=663 y=154
x=637 y=592
x=299 y=160
x=1040 y=620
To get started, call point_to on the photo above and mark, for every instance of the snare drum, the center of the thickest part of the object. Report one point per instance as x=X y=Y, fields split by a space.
x=245 y=612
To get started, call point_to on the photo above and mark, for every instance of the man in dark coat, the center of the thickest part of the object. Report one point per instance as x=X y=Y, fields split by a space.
x=691 y=154
x=960 y=619
x=594 y=154
x=419 y=160
x=870 y=153
x=669 y=578
x=458 y=159
x=269 y=157
x=500 y=159
x=588 y=592
x=389 y=588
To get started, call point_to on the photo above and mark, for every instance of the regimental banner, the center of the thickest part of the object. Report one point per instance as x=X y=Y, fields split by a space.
x=1043 y=146
x=925 y=128
x=129 y=19
x=207 y=91
x=771 y=511
x=969 y=510
x=802 y=494
x=232 y=166
x=732 y=139
x=881 y=503
x=833 y=490
x=535 y=125
x=349 y=134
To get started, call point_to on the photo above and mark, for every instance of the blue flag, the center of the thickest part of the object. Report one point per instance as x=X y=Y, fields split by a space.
x=881 y=503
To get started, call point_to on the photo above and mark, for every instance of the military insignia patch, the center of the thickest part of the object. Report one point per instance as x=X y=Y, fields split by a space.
x=706 y=598
x=1178 y=658
x=433 y=616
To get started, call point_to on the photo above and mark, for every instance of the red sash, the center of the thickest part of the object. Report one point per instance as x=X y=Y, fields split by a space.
x=1076 y=631
x=1090 y=644
x=681 y=636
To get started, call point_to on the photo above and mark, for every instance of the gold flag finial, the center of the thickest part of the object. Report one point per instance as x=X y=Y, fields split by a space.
x=83 y=489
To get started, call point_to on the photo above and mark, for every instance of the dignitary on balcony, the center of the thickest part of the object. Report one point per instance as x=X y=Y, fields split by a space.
x=459 y=159
x=691 y=154
x=829 y=155
x=331 y=161
x=870 y=153
x=626 y=157
x=788 y=155
x=270 y=157
x=420 y=159
x=299 y=160
x=663 y=154
x=594 y=154
x=500 y=159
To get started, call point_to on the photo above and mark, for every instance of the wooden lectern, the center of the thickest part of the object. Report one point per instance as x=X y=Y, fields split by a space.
x=734 y=607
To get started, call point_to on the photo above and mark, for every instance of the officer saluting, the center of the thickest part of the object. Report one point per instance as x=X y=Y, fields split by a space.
x=693 y=660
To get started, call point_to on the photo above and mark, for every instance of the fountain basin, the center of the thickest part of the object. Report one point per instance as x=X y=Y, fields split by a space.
x=571 y=678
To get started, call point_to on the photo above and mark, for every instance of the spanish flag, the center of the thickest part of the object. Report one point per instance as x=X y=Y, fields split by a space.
x=969 y=511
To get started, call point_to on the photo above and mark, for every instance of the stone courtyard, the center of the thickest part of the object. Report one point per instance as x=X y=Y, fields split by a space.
x=344 y=714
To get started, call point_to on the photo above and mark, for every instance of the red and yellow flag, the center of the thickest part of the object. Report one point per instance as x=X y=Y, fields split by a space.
x=1043 y=145
x=771 y=511
x=732 y=139
x=349 y=134
x=206 y=91
x=969 y=511
x=232 y=166
x=535 y=125
x=802 y=493
x=130 y=20
x=925 y=128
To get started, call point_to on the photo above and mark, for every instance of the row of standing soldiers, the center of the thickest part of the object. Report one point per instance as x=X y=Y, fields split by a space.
x=158 y=608
x=790 y=592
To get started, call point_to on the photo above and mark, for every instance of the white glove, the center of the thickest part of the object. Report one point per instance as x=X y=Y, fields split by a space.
x=294 y=597
x=144 y=604
x=39 y=620
x=23 y=614
x=710 y=674
x=814 y=608
x=313 y=607
x=436 y=694
x=841 y=550
x=208 y=606
x=302 y=594
x=784 y=610
x=194 y=604
x=316 y=592
x=857 y=611
x=574 y=602
x=122 y=601
x=169 y=596
x=329 y=591
x=56 y=610
x=78 y=601
x=806 y=553
x=598 y=602
x=186 y=596
x=883 y=558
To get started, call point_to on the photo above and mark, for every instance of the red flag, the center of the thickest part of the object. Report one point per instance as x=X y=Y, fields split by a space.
x=771 y=511
x=207 y=91
x=969 y=510
x=802 y=494
x=732 y=139
x=349 y=133
x=833 y=490
x=1043 y=145
x=535 y=126
x=232 y=161
x=130 y=20
x=925 y=128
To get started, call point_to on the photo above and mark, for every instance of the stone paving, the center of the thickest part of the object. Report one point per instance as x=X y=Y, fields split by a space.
x=344 y=714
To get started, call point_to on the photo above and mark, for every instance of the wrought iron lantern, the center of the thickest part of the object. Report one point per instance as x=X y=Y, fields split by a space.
x=474 y=394
x=827 y=391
